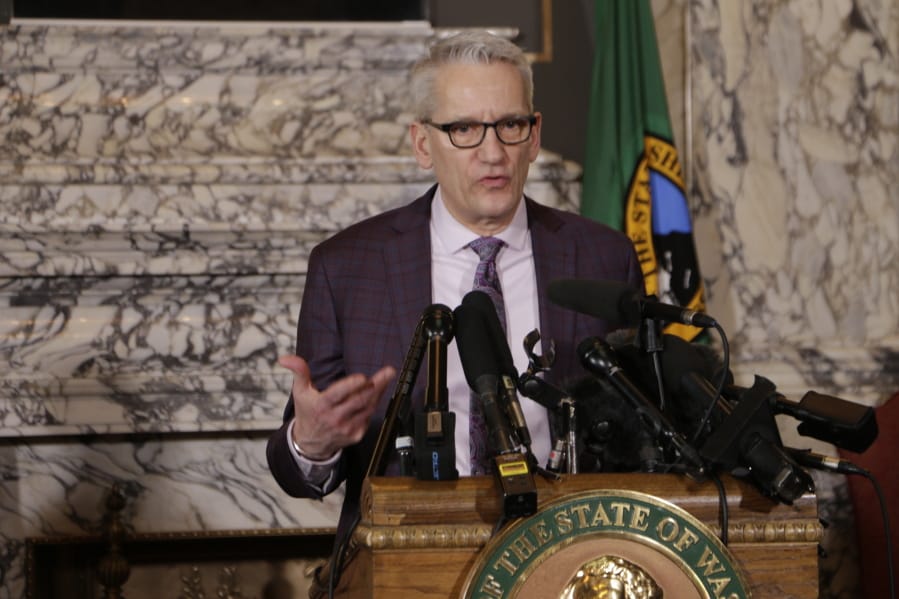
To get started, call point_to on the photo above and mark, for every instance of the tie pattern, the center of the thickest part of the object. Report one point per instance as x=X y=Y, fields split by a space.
x=486 y=279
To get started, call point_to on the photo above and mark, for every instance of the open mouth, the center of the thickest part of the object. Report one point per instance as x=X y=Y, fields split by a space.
x=494 y=182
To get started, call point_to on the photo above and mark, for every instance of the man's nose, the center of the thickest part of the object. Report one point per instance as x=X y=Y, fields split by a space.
x=491 y=149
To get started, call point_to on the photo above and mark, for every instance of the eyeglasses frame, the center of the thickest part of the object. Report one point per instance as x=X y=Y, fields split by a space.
x=445 y=127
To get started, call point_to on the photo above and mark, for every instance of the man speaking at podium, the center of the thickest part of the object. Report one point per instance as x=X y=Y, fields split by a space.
x=476 y=128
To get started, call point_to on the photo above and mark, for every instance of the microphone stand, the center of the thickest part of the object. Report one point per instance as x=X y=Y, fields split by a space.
x=553 y=399
x=398 y=407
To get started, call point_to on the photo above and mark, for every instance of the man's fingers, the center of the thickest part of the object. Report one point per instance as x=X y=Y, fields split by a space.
x=382 y=377
x=338 y=416
x=346 y=389
x=356 y=396
x=357 y=384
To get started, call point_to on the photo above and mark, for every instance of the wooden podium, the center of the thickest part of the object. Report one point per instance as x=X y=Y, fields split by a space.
x=423 y=539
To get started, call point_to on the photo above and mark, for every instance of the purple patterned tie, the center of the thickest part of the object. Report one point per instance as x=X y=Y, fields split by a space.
x=486 y=280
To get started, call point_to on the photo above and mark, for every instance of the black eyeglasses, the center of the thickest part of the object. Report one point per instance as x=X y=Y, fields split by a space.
x=470 y=134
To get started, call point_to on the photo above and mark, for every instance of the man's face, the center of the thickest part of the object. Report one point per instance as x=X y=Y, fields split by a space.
x=481 y=186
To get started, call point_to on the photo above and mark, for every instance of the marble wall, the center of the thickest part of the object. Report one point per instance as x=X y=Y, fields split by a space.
x=793 y=127
x=795 y=158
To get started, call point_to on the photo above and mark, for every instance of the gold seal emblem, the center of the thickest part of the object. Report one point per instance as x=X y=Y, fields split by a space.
x=611 y=577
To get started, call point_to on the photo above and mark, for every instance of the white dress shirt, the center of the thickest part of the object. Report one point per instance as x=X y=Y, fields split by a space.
x=452 y=275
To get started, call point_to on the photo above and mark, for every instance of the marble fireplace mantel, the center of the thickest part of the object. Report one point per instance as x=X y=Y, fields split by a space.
x=167 y=184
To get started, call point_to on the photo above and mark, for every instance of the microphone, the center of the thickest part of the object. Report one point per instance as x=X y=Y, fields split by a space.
x=614 y=437
x=506 y=366
x=745 y=435
x=599 y=359
x=818 y=461
x=843 y=423
x=846 y=424
x=435 y=445
x=481 y=371
x=620 y=303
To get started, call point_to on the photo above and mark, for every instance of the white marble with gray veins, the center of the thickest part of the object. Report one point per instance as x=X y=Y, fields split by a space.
x=795 y=163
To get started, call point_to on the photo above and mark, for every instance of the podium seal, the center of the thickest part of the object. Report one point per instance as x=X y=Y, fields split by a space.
x=610 y=544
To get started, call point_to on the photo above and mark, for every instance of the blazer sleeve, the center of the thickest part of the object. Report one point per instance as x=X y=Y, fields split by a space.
x=319 y=343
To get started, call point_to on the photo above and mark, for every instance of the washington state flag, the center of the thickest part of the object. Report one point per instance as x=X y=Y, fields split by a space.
x=632 y=175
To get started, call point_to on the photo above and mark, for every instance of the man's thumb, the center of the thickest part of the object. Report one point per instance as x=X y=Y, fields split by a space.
x=300 y=369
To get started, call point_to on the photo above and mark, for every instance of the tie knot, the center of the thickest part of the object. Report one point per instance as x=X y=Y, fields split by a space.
x=487 y=247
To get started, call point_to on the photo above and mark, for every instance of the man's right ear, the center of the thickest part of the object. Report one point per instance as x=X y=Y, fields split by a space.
x=421 y=144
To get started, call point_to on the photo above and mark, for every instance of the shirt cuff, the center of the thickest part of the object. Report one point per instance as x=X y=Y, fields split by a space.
x=318 y=473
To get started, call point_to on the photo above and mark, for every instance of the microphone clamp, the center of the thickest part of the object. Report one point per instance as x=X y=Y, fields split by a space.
x=517 y=483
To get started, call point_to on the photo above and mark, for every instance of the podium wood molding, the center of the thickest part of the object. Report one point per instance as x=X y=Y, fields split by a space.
x=467 y=536
x=423 y=536
x=419 y=540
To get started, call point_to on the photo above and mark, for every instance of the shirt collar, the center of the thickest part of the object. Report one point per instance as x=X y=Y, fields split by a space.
x=454 y=236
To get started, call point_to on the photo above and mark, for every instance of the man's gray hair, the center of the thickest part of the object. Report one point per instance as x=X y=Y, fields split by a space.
x=467 y=47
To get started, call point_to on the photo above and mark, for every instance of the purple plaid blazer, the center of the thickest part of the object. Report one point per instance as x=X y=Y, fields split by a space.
x=368 y=285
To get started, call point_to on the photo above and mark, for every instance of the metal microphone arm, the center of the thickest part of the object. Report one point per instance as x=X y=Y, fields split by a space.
x=554 y=399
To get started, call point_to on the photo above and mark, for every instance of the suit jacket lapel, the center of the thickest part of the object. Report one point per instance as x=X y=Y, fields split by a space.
x=407 y=263
x=553 y=259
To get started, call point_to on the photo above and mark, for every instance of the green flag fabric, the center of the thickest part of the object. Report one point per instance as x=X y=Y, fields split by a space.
x=632 y=174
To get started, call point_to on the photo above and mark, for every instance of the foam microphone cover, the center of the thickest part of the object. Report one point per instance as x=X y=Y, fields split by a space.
x=612 y=438
x=475 y=346
x=481 y=302
x=613 y=301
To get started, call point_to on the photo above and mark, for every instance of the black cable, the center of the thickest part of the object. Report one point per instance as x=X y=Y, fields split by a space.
x=723 y=510
x=337 y=556
x=499 y=525
x=827 y=464
x=725 y=346
x=884 y=514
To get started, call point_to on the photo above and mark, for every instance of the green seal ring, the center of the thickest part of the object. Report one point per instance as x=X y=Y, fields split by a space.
x=508 y=558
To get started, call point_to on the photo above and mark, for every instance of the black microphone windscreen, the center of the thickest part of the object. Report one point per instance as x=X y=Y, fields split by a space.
x=503 y=354
x=613 y=437
x=698 y=357
x=475 y=346
x=610 y=300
